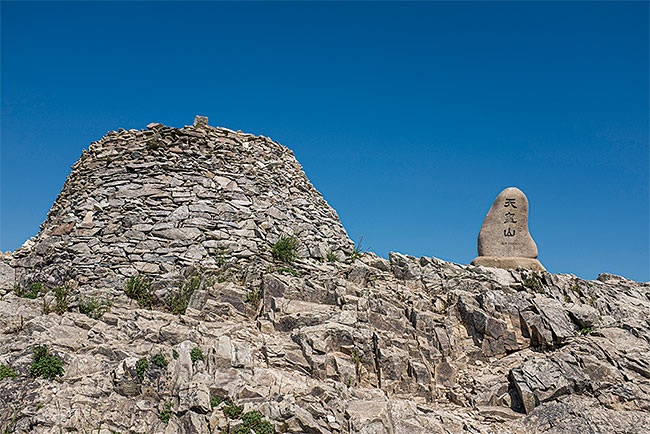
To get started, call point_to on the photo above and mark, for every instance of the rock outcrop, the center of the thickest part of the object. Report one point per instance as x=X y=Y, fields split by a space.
x=361 y=344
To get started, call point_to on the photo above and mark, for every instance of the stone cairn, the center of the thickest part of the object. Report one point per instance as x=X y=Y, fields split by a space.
x=504 y=240
x=155 y=201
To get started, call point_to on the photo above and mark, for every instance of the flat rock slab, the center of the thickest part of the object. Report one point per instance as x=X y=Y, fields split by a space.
x=509 y=263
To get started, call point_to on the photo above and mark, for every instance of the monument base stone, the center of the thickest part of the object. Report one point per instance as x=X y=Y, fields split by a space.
x=509 y=262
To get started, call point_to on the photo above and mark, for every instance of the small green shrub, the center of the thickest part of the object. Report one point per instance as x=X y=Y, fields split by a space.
x=331 y=257
x=6 y=372
x=138 y=288
x=255 y=421
x=533 y=282
x=232 y=411
x=141 y=367
x=174 y=354
x=196 y=354
x=34 y=289
x=585 y=331
x=45 y=364
x=94 y=308
x=160 y=360
x=166 y=414
x=215 y=400
x=287 y=270
x=285 y=249
x=180 y=298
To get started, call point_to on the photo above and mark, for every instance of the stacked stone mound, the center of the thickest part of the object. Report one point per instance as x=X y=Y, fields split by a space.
x=156 y=200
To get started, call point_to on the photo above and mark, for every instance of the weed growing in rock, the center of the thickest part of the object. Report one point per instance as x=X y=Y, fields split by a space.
x=18 y=327
x=61 y=296
x=6 y=372
x=331 y=257
x=232 y=411
x=533 y=282
x=160 y=360
x=94 y=308
x=45 y=364
x=141 y=367
x=166 y=414
x=196 y=354
x=215 y=400
x=254 y=296
x=179 y=299
x=287 y=270
x=576 y=288
x=174 y=354
x=585 y=331
x=358 y=250
x=60 y=303
x=32 y=292
x=253 y=420
x=356 y=357
x=12 y=423
x=138 y=288
x=220 y=256
x=285 y=249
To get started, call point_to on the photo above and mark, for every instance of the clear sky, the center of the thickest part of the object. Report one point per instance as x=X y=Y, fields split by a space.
x=410 y=118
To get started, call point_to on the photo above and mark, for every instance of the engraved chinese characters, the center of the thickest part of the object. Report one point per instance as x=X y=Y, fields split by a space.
x=504 y=240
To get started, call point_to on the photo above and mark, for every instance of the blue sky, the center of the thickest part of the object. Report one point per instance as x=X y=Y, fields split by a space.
x=410 y=118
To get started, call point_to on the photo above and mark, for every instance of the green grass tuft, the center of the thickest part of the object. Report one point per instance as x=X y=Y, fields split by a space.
x=196 y=354
x=141 y=367
x=287 y=270
x=180 y=298
x=358 y=250
x=160 y=360
x=285 y=249
x=94 y=308
x=7 y=372
x=138 y=288
x=46 y=365
x=331 y=257
x=166 y=414
x=34 y=290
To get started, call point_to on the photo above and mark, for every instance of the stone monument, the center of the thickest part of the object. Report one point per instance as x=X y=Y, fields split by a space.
x=504 y=240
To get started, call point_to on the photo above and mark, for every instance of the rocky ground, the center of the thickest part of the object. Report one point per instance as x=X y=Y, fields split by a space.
x=369 y=345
